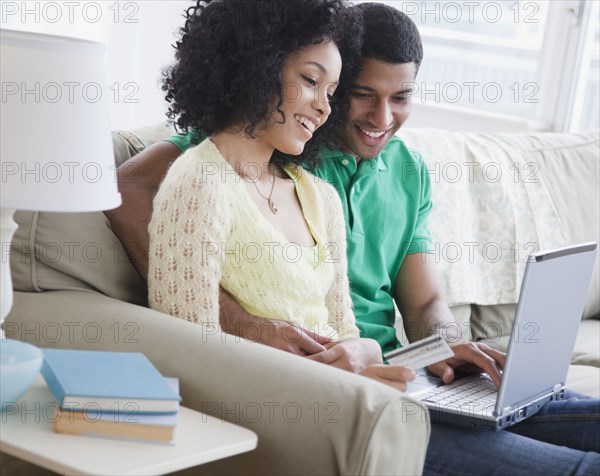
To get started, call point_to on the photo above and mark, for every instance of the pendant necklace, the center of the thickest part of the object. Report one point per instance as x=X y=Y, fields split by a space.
x=269 y=200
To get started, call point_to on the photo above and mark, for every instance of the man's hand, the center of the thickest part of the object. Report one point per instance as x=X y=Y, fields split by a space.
x=354 y=354
x=390 y=375
x=282 y=335
x=287 y=336
x=471 y=357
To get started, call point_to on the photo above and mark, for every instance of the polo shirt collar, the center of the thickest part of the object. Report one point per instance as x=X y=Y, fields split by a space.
x=376 y=163
x=380 y=164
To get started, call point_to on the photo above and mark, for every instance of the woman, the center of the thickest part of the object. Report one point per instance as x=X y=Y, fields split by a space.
x=238 y=211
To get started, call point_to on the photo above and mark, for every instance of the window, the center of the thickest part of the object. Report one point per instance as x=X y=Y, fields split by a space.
x=586 y=111
x=520 y=58
x=488 y=59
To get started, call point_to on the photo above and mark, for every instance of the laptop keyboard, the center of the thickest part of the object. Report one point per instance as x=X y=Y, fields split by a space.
x=472 y=391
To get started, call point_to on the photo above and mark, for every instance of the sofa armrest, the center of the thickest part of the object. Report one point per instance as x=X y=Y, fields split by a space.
x=310 y=418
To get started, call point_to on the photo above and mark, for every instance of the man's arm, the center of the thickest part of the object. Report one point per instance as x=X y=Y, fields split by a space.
x=234 y=319
x=139 y=179
x=420 y=298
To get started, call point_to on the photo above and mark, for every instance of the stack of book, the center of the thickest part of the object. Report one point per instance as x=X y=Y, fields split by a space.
x=111 y=394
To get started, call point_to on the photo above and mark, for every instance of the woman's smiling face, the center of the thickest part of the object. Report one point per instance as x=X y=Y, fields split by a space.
x=309 y=78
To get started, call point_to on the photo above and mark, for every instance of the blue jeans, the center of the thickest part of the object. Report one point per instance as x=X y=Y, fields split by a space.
x=563 y=438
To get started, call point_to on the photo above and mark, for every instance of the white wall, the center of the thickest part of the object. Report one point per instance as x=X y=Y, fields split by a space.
x=138 y=36
x=136 y=54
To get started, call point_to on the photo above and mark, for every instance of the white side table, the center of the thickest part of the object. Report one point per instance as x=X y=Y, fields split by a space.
x=200 y=439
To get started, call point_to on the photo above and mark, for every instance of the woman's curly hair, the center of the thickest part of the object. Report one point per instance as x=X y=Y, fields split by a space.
x=230 y=59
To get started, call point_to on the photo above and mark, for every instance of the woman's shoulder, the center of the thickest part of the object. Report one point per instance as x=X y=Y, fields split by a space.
x=204 y=156
x=202 y=164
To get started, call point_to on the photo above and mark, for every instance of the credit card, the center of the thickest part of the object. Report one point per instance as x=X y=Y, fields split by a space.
x=419 y=354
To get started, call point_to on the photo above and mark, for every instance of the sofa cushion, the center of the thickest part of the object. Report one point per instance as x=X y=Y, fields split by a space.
x=512 y=194
x=587 y=343
x=587 y=346
x=79 y=251
x=460 y=331
x=492 y=322
x=584 y=379
x=72 y=251
x=485 y=217
x=128 y=143
x=570 y=166
x=584 y=372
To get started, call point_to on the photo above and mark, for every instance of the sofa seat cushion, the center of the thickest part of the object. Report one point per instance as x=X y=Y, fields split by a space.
x=587 y=343
x=584 y=379
x=584 y=371
x=587 y=346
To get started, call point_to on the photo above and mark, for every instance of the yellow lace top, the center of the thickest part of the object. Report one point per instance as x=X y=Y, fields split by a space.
x=206 y=231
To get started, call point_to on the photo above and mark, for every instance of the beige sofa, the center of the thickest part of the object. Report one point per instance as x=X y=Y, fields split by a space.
x=76 y=288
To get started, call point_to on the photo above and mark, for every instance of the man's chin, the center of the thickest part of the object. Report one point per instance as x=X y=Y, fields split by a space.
x=369 y=153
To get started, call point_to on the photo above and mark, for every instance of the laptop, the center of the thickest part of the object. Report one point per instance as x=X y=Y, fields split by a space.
x=551 y=302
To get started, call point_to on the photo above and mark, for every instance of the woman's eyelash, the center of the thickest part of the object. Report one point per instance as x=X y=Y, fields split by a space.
x=309 y=80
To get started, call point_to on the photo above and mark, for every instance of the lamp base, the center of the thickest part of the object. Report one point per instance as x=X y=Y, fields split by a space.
x=7 y=230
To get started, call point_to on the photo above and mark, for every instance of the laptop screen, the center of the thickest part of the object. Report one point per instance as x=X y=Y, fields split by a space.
x=549 y=311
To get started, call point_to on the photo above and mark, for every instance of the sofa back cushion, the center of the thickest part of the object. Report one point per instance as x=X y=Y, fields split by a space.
x=499 y=197
x=72 y=251
x=79 y=251
x=570 y=165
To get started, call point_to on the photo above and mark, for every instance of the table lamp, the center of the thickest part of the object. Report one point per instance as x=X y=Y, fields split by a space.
x=55 y=143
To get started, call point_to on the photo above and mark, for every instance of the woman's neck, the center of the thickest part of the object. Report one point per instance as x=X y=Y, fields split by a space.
x=248 y=157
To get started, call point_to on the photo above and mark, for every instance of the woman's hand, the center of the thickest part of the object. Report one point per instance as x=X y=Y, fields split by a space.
x=353 y=354
x=391 y=375
x=363 y=356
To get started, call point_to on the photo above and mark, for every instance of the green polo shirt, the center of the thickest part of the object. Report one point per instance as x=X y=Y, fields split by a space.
x=387 y=201
x=185 y=141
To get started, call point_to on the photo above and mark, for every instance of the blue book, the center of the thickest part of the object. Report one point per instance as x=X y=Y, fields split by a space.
x=157 y=427
x=113 y=381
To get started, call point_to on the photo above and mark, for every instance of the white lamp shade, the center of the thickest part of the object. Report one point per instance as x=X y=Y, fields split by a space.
x=55 y=143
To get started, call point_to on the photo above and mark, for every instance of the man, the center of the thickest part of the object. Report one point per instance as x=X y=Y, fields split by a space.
x=385 y=193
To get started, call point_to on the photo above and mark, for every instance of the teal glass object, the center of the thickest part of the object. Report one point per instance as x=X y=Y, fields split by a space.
x=19 y=365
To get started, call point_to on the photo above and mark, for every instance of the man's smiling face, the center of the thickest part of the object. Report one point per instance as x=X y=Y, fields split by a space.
x=380 y=102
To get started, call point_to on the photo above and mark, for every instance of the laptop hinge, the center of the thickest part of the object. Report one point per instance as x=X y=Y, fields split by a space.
x=559 y=390
x=519 y=409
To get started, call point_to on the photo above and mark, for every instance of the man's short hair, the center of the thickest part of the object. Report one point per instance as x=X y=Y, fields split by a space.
x=389 y=35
